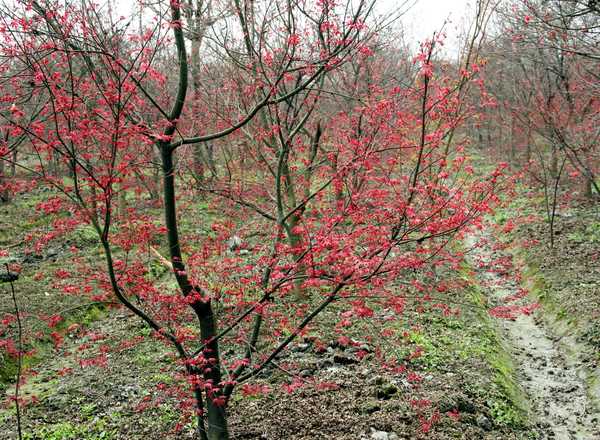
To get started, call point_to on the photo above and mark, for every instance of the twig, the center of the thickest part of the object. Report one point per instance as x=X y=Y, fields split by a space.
x=161 y=259
x=19 y=352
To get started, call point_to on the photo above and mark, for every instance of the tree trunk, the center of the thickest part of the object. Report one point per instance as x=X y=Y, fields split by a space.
x=199 y=163
x=513 y=139
x=93 y=202
x=528 y=146
x=586 y=187
x=122 y=204
x=216 y=416
x=210 y=159
x=196 y=42
x=4 y=196
x=215 y=410
x=296 y=240
x=554 y=163
x=13 y=164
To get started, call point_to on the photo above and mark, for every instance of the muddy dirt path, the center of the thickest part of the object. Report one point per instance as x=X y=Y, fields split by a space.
x=548 y=367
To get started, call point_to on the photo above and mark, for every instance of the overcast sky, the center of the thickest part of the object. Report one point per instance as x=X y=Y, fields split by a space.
x=427 y=16
x=419 y=23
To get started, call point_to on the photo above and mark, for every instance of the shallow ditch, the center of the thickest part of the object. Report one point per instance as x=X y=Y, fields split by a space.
x=548 y=366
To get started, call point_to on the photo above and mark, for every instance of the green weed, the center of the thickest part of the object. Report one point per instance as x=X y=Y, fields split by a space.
x=70 y=431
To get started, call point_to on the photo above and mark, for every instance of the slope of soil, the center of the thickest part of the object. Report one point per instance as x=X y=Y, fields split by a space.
x=551 y=372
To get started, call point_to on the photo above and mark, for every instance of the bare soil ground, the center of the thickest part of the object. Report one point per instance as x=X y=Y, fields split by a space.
x=97 y=402
x=471 y=384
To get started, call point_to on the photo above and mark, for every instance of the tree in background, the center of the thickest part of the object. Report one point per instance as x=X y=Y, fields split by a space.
x=544 y=65
x=340 y=178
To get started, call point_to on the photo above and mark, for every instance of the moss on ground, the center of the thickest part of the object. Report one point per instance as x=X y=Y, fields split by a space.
x=506 y=399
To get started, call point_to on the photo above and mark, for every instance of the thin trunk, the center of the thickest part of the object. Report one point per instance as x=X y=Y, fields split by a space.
x=4 y=195
x=210 y=159
x=528 y=146
x=93 y=202
x=338 y=190
x=196 y=42
x=199 y=163
x=215 y=411
x=13 y=164
x=55 y=168
x=555 y=201
x=294 y=239
x=513 y=141
x=554 y=162
x=17 y=397
x=586 y=187
x=122 y=204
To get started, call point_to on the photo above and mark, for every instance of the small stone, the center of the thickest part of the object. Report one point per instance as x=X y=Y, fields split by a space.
x=371 y=407
x=344 y=360
x=459 y=403
x=484 y=423
x=376 y=380
x=386 y=391
x=319 y=349
x=324 y=363
x=301 y=347
x=465 y=406
x=306 y=373
x=333 y=369
x=382 y=435
x=365 y=372
x=234 y=242
x=363 y=347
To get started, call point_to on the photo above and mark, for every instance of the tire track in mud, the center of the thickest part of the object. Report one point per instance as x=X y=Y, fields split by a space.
x=548 y=368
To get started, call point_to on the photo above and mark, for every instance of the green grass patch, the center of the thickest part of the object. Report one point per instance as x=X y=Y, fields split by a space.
x=505 y=399
x=97 y=429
